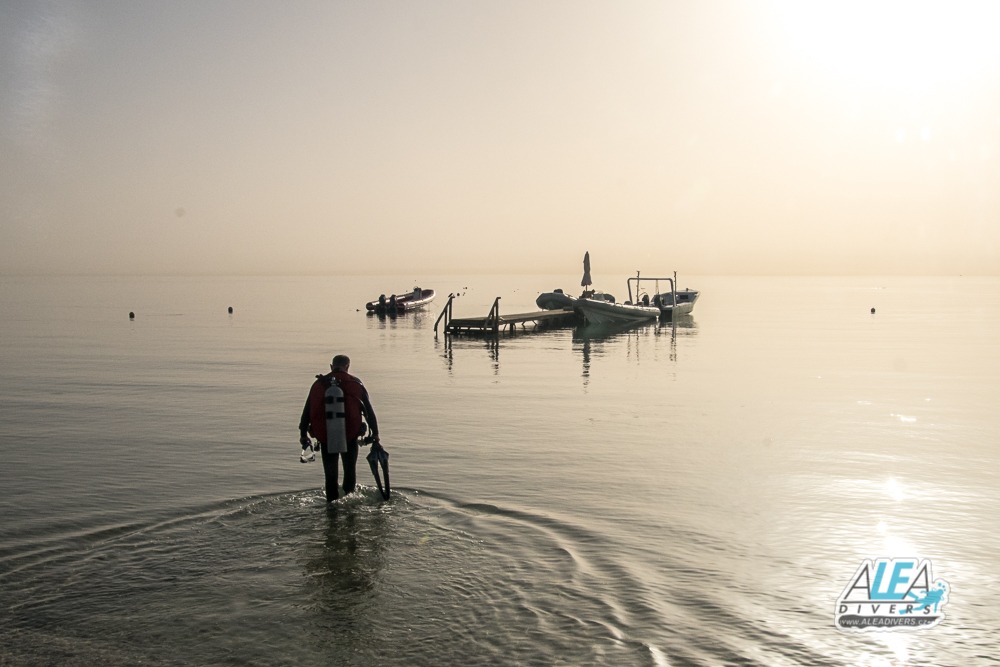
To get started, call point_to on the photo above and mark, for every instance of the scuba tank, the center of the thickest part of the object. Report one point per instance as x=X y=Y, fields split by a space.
x=336 y=418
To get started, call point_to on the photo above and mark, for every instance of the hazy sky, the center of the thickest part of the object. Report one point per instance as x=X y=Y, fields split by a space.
x=419 y=137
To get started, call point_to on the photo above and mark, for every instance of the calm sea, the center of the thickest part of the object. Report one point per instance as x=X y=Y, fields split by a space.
x=689 y=494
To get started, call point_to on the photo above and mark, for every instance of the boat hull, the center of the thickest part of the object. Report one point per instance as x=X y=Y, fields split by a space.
x=594 y=311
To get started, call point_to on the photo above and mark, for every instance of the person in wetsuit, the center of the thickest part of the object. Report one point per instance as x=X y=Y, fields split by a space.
x=313 y=421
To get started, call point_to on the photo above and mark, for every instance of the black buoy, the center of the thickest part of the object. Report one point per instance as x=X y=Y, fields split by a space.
x=873 y=310
x=230 y=310
x=131 y=315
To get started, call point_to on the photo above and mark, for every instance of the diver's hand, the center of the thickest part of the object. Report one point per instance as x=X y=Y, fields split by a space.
x=308 y=454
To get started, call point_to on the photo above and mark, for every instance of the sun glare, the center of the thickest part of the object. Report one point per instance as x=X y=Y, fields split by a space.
x=904 y=46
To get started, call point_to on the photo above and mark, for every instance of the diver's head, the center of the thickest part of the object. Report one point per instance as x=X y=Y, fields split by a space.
x=341 y=362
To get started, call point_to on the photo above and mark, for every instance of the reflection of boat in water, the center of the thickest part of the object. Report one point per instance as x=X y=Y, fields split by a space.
x=405 y=303
x=594 y=309
x=598 y=332
x=683 y=326
x=671 y=303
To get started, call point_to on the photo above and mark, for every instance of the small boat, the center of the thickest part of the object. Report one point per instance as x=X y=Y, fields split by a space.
x=555 y=300
x=670 y=303
x=559 y=300
x=404 y=303
x=596 y=308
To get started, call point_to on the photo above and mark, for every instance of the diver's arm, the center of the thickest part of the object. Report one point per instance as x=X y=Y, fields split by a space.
x=366 y=407
x=304 y=421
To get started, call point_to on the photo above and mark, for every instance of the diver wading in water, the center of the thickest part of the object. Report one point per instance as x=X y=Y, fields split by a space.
x=333 y=414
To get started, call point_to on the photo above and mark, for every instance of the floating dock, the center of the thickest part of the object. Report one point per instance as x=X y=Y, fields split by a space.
x=494 y=323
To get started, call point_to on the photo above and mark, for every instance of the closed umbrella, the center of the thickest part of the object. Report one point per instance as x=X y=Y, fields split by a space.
x=586 y=270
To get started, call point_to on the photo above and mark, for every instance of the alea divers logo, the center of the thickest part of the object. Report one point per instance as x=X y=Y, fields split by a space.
x=892 y=594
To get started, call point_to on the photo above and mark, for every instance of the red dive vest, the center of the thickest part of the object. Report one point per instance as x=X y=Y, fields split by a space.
x=353 y=393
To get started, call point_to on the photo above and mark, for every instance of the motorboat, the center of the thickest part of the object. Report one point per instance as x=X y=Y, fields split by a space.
x=596 y=308
x=670 y=303
x=396 y=304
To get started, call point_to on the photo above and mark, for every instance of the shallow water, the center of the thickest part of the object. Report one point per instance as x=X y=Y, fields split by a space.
x=696 y=494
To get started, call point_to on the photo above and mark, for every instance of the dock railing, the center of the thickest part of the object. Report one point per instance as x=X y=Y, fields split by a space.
x=445 y=314
x=493 y=319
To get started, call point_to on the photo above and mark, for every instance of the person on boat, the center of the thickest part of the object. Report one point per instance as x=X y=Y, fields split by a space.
x=313 y=421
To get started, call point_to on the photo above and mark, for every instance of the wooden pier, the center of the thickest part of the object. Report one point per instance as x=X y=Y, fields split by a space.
x=495 y=323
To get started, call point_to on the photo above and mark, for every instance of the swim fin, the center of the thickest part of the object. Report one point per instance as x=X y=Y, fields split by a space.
x=379 y=457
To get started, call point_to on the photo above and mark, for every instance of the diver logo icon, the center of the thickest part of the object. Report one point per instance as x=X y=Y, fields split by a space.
x=892 y=594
